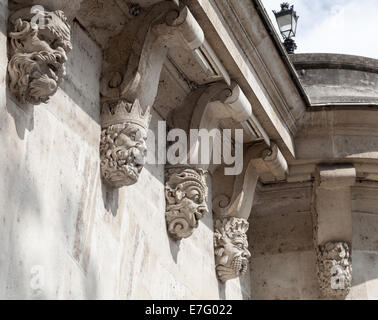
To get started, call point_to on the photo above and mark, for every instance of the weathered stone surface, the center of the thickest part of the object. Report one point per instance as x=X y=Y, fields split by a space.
x=365 y=231
x=284 y=276
x=282 y=233
x=365 y=275
x=337 y=78
x=332 y=203
x=3 y=38
x=282 y=198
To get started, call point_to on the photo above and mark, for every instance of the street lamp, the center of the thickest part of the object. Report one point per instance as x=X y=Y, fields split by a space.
x=287 y=23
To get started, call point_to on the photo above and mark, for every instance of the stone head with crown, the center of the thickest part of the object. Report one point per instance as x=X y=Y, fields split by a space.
x=123 y=148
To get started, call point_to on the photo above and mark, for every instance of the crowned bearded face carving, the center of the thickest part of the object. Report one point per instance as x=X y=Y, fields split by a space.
x=123 y=148
x=231 y=248
x=123 y=151
x=186 y=194
x=39 y=44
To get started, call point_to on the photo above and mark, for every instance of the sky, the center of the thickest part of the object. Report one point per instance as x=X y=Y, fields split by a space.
x=333 y=26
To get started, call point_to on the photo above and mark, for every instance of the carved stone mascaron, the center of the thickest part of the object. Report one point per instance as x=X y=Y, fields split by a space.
x=231 y=247
x=39 y=44
x=334 y=269
x=186 y=196
x=123 y=147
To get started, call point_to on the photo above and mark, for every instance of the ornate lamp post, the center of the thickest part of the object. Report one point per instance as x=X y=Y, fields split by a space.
x=287 y=23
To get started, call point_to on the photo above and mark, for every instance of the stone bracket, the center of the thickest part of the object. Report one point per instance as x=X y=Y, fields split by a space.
x=240 y=203
x=163 y=26
x=332 y=219
x=205 y=109
x=333 y=202
x=131 y=73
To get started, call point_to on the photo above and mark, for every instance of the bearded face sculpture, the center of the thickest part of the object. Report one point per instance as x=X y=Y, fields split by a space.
x=123 y=147
x=186 y=195
x=334 y=269
x=231 y=248
x=38 y=54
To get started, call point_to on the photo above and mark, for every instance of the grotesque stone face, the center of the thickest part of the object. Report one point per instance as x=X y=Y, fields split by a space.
x=38 y=54
x=123 y=152
x=185 y=194
x=231 y=248
x=334 y=269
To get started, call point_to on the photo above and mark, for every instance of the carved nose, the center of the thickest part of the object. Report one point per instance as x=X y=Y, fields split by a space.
x=142 y=147
x=202 y=211
x=246 y=254
x=138 y=157
x=61 y=56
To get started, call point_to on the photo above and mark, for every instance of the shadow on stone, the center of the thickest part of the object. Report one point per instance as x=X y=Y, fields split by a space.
x=174 y=246
x=23 y=115
x=110 y=197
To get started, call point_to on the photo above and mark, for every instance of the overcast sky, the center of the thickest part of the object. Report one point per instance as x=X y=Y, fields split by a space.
x=334 y=26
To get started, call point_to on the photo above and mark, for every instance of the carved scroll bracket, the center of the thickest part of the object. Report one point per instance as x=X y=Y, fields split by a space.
x=232 y=259
x=144 y=46
x=259 y=158
x=204 y=109
x=131 y=73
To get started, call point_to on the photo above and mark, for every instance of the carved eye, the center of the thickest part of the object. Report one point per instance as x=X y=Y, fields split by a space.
x=48 y=40
x=239 y=245
x=133 y=136
x=194 y=195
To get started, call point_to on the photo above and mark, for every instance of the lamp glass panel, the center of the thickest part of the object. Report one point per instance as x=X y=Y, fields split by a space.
x=284 y=23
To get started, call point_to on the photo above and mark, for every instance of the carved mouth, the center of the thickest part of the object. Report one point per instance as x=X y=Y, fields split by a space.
x=133 y=172
x=200 y=212
x=53 y=72
x=239 y=265
x=52 y=67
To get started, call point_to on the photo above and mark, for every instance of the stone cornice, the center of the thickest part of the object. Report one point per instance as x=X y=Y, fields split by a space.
x=235 y=13
x=240 y=49
x=334 y=61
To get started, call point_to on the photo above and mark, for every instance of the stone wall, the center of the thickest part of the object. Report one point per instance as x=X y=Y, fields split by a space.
x=59 y=224
x=365 y=241
x=283 y=264
x=337 y=78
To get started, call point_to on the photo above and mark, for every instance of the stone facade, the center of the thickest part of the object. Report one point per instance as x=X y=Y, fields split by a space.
x=85 y=214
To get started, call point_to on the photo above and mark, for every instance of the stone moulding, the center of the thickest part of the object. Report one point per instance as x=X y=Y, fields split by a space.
x=231 y=248
x=186 y=200
x=334 y=264
x=123 y=147
x=39 y=44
